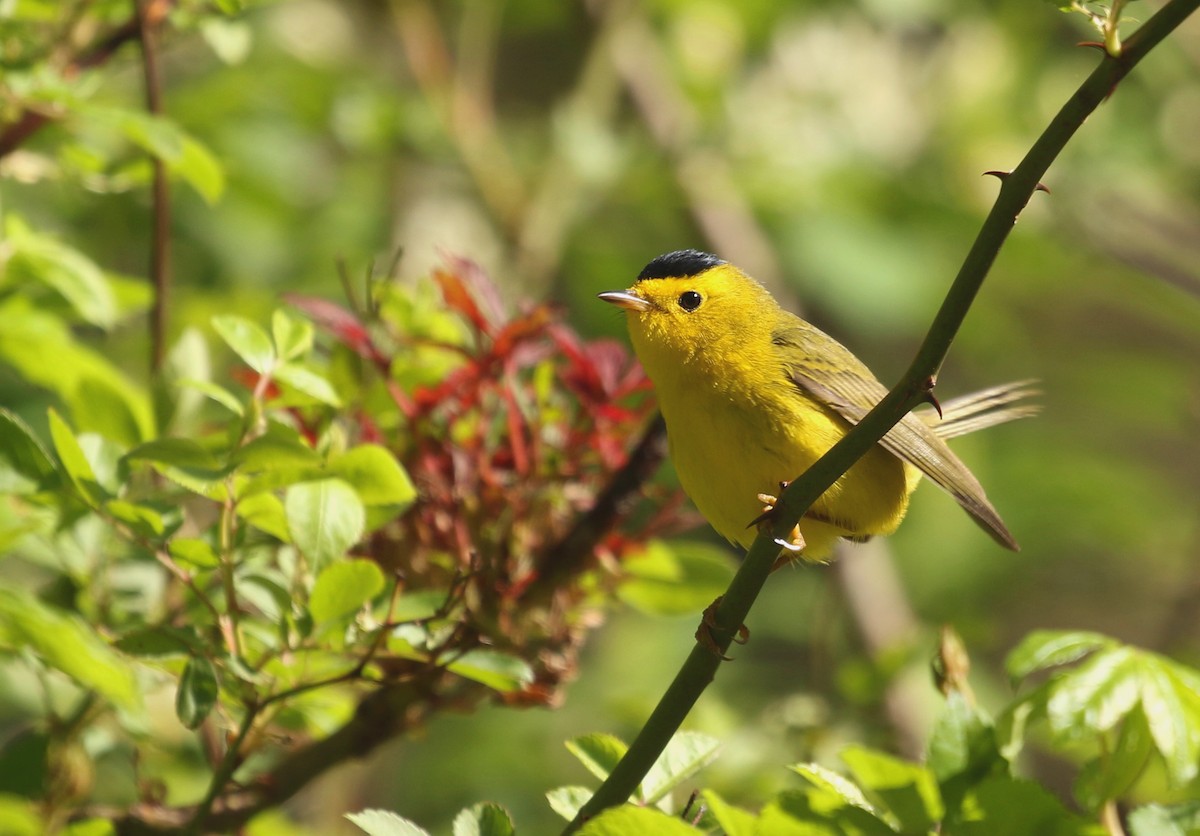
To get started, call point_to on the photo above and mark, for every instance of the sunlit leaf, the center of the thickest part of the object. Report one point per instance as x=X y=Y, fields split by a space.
x=70 y=273
x=909 y=790
x=1043 y=649
x=628 y=820
x=680 y=579
x=308 y=382
x=293 y=337
x=483 y=820
x=1005 y=806
x=826 y=779
x=384 y=823
x=22 y=452
x=248 y=341
x=74 y=462
x=496 y=670
x=66 y=643
x=278 y=447
x=685 y=754
x=266 y=512
x=343 y=587
x=598 y=752
x=733 y=821
x=194 y=552
x=1161 y=820
x=819 y=812
x=375 y=474
x=568 y=801
x=141 y=520
x=324 y=519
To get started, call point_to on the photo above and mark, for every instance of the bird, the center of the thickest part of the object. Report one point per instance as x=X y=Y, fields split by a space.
x=752 y=395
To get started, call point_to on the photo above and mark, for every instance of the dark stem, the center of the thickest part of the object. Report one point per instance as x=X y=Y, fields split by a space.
x=572 y=554
x=913 y=389
x=149 y=14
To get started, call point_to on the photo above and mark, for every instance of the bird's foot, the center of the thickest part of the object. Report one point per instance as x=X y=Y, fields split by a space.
x=794 y=543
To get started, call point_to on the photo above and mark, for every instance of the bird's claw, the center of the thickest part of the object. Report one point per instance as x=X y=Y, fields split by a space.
x=795 y=540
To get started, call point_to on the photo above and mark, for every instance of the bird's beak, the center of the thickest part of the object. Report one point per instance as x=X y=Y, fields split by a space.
x=625 y=299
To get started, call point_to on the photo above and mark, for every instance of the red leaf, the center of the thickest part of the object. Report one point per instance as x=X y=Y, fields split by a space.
x=342 y=323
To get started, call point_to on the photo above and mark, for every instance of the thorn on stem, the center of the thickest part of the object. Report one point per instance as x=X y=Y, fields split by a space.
x=1003 y=175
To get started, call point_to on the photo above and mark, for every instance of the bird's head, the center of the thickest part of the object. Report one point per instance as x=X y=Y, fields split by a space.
x=689 y=305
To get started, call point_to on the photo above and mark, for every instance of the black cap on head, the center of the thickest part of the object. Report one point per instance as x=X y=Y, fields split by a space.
x=679 y=263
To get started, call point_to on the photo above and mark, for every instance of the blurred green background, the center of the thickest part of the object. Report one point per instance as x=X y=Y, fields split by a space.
x=832 y=149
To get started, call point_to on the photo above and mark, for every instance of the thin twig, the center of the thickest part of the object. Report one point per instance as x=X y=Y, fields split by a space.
x=912 y=390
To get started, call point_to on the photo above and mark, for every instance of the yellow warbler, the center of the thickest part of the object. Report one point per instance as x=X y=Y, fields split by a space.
x=753 y=395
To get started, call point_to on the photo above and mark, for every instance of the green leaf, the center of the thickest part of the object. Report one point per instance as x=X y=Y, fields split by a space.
x=598 y=752
x=248 y=341
x=74 y=462
x=568 y=801
x=278 y=447
x=1158 y=820
x=197 y=692
x=818 y=812
x=293 y=337
x=1171 y=706
x=67 y=271
x=89 y=827
x=1095 y=696
x=265 y=512
x=483 y=820
x=384 y=823
x=628 y=820
x=158 y=642
x=183 y=155
x=22 y=453
x=685 y=754
x=828 y=781
x=496 y=670
x=200 y=169
x=910 y=791
x=343 y=587
x=1004 y=806
x=19 y=817
x=680 y=579
x=733 y=821
x=324 y=519
x=68 y=644
x=183 y=453
x=307 y=382
x=214 y=392
x=143 y=521
x=1107 y=778
x=375 y=474
x=194 y=552
x=962 y=740
x=1043 y=649
x=416 y=606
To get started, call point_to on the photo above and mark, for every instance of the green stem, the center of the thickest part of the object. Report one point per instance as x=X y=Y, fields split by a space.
x=1015 y=192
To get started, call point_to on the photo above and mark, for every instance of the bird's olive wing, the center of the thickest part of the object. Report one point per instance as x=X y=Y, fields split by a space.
x=828 y=372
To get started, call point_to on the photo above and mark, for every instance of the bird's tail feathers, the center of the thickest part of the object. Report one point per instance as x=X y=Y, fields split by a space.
x=983 y=409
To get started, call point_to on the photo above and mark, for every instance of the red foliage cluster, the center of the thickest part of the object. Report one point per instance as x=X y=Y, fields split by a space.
x=510 y=451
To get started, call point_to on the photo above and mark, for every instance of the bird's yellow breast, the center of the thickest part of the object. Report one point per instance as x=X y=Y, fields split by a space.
x=734 y=436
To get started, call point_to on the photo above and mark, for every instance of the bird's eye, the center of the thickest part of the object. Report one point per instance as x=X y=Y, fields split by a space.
x=689 y=300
